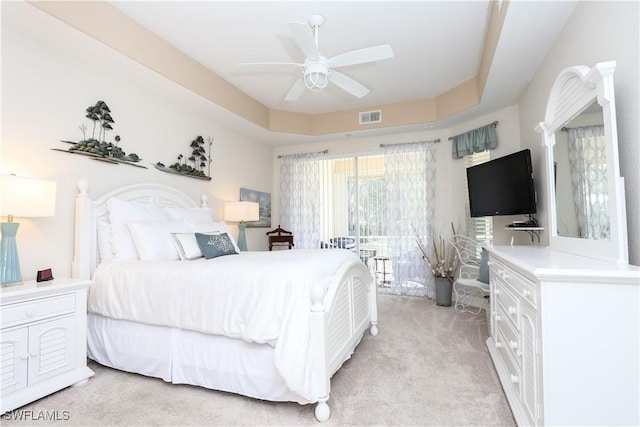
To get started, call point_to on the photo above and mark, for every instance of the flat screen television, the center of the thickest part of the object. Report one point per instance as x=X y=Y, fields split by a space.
x=503 y=186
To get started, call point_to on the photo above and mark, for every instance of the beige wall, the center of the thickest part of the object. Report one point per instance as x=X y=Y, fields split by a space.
x=50 y=74
x=597 y=31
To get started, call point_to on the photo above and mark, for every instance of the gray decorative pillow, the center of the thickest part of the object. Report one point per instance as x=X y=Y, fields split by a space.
x=215 y=245
x=483 y=274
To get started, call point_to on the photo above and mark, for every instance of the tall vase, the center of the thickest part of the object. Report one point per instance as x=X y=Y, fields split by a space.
x=9 y=261
x=444 y=289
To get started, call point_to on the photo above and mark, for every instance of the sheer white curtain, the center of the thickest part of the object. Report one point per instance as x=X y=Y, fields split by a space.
x=300 y=193
x=588 y=166
x=410 y=172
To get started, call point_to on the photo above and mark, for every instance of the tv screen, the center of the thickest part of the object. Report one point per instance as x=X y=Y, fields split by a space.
x=502 y=186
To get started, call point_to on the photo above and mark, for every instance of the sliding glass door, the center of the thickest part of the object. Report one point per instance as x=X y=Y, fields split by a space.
x=374 y=205
x=354 y=200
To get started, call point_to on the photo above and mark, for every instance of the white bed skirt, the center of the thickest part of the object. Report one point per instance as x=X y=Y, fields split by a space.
x=188 y=357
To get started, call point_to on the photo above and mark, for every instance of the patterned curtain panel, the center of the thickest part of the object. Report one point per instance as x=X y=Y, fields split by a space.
x=299 y=195
x=410 y=172
x=475 y=141
x=588 y=166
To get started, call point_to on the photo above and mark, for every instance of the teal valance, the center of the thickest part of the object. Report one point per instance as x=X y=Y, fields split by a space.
x=474 y=141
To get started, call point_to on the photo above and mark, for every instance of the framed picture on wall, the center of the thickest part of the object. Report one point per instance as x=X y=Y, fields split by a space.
x=264 y=200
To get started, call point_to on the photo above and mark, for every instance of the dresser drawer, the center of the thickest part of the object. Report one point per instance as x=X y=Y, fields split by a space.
x=507 y=304
x=522 y=286
x=37 y=309
x=512 y=379
x=510 y=337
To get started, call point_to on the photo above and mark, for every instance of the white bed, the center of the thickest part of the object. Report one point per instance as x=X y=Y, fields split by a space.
x=275 y=328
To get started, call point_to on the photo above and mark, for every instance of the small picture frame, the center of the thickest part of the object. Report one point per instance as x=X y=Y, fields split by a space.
x=264 y=201
x=44 y=275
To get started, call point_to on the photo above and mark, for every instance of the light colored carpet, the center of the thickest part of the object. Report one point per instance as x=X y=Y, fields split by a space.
x=428 y=366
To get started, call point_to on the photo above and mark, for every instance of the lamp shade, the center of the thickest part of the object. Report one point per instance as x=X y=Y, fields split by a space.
x=25 y=197
x=241 y=211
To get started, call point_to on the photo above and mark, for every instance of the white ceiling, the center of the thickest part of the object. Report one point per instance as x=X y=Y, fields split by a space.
x=437 y=46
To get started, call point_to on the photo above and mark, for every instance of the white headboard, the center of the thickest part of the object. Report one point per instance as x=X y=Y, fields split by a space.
x=89 y=213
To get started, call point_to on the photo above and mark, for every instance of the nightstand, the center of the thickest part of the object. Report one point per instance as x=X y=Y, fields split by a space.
x=43 y=338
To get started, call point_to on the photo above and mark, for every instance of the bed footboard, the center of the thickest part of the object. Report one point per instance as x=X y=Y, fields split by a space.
x=339 y=317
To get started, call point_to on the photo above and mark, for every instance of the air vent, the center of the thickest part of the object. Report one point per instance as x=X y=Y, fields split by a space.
x=367 y=117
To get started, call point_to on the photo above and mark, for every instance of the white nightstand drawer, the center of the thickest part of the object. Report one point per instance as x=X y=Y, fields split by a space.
x=43 y=339
x=30 y=311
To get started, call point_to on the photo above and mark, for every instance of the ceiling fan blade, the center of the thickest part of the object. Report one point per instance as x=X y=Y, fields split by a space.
x=296 y=90
x=361 y=56
x=303 y=35
x=347 y=84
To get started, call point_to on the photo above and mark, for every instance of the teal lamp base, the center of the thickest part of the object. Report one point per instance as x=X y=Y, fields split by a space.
x=9 y=261
x=242 y=239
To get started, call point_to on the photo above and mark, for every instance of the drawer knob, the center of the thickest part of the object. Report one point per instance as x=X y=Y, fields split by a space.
x=526 y=293
x=24 y=356
x=498 y=344
x=514 y=378
x=512 y=310
x=29 y=314
x=513 y=344
x=498 y=318
x=497 y=292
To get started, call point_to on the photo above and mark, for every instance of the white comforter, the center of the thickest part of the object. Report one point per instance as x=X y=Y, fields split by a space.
x=260 y=297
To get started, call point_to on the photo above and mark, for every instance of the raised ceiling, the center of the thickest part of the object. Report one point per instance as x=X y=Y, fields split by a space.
x=437 y=45
x=441 y=48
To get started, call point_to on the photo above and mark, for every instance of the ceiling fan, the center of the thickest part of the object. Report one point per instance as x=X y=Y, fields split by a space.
x=317 y=70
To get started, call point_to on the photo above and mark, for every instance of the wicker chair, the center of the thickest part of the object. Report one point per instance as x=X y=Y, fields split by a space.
x=466 y=287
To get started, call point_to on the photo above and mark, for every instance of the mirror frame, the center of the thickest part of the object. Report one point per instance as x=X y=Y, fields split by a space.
x=573 y=91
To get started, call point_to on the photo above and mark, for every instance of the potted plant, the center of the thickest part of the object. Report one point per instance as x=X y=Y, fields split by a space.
x=443 y=264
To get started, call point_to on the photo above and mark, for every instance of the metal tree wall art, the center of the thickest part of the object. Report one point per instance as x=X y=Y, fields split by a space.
x=98 y=148
x=195 y=165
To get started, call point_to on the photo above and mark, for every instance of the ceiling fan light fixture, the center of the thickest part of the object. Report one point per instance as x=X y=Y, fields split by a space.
x=316 y=77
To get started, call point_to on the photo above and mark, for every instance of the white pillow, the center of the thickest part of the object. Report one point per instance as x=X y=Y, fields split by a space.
x=187 y=246
x=153 y=239
x=105 y=248
x=194 y=214
x=121 y=212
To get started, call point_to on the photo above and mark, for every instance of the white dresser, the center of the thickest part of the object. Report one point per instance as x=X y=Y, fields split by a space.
x=43 y=339
x=565 y=336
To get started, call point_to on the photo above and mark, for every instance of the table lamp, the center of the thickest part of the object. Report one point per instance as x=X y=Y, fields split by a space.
x=241 y=212
x=20 y=197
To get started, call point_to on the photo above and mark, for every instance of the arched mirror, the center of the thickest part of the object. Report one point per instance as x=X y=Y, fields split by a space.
x=585 y=193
